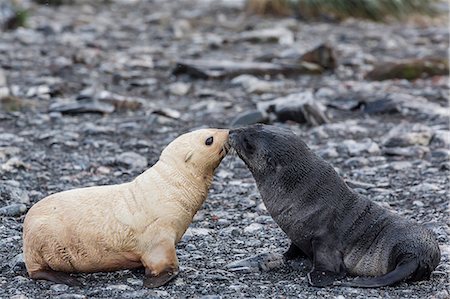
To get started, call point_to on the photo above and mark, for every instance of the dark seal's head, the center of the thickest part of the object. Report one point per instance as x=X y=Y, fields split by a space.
x=267 y=149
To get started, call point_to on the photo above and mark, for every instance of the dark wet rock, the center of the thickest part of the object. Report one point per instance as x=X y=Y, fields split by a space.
x=262 y=262
x=132 y=161
x=410 y=69
x=248 y=118
x=82 y=106
x=407 y=135
x=13 y=210
x=217 y=69
x=299 y=107
x=382 y=106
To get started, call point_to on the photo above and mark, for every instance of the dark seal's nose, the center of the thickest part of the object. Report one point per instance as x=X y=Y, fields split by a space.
x=233 y=136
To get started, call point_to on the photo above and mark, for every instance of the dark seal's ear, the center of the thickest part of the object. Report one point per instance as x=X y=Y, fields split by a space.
x=188 y=156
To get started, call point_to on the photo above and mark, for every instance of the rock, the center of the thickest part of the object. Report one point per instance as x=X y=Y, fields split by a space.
x=119 y=287
x=322 y=55
x=179 y=88
x=400 y=165
x=382 y=106
x=11 y=192
x=168 y=112
x=441 y=154
x=424 y=188
x=70 y=296
x=409 y=69
x=299 y=107
x=19 y=296
x=355 y=184
x=17 y=261
x=279 y=35
x=132 y=161
x=119 y=102
x=411 y=151
x=262 y=262
x=407 y=135
x=82 y=106
x=441 y=138
x=356 y=162
x=190 y=247
x=251 y=84
x=4 y=90
x=249 y=118
x=59 y=287
x=135 y=282
x=13 y=210
x=218 y=69
x=253 y=228
x=367 y=146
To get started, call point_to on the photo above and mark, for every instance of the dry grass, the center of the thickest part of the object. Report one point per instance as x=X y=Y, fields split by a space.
x=377 y=10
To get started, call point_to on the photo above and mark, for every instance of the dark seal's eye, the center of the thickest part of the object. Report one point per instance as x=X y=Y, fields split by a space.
x=209 y=141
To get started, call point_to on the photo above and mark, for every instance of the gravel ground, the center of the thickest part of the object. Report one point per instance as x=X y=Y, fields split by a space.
x=118 y=59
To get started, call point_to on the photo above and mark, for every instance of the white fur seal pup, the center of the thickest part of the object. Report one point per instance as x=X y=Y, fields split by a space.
x=135 y=224
x=339 y=230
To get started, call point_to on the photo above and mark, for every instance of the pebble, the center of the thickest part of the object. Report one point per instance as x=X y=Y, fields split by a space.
x=19 y=296
x=10 y=191
x=356 y=162
x=13 y=210
x=119 y=287
x=253 y=228
x=59 y=287
x=70 y=296
x=179 y=88
x=407 y=135
x=366 y=146
x=135 y=282
x=132 y=160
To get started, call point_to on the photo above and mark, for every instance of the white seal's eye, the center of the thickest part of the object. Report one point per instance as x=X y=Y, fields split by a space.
x=209 y=140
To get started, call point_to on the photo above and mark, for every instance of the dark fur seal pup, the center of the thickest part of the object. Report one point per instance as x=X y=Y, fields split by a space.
x=337 y=229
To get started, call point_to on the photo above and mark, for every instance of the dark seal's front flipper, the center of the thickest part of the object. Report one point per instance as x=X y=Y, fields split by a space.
x=401 y=272
x=294 y=252
x=328 y=266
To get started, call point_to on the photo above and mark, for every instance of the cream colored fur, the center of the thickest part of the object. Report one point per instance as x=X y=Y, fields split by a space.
x=106 y=228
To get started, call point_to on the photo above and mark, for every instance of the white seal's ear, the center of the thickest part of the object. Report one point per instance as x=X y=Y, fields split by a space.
x=188 y=156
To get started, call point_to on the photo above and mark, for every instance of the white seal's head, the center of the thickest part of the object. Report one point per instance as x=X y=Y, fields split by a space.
x=198 y=152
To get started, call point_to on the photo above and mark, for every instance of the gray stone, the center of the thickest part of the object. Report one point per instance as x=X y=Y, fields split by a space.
x=135 y=282
x=119 y=287
x=70 y=296
x=59 y=288
x=179 y=88
x=11 y=192
x=366 y=146
x=356 y=184
x=252 y=84
x=249 y=118
x=13 y=210
x=411 y=151
x=441 y=154
x=407 y=135
x=262 y=262
x=132 y=160
x=299 y=107
x=82 y=106
x=280 y=35
x=441 y=138
x=356 y=162
x=253 y=228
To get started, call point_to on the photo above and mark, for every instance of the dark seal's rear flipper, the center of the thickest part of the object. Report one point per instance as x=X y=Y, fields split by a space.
x=403 y=271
